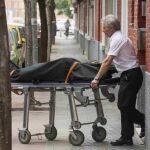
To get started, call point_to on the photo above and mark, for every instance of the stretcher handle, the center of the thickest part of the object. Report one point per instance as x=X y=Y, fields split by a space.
x=12 y=72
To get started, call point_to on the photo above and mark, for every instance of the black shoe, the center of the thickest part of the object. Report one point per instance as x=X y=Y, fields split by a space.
x=142 y=133
x=122 y=141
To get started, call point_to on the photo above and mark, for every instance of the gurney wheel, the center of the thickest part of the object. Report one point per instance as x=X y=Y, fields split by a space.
x=79 y=138
x=99 y=134
x=50 y=133
x=24 y=137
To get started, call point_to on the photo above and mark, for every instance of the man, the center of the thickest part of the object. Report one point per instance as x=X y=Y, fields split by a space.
x=67 y=25
x=122 y=54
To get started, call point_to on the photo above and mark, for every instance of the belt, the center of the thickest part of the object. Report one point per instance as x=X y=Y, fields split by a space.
x=130 y=70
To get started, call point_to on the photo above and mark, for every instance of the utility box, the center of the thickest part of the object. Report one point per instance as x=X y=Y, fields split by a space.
x=141 y=39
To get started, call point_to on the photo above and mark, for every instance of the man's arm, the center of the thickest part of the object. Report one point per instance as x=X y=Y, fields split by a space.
x=103 y=69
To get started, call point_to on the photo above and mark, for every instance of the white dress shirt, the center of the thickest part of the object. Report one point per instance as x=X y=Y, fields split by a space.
x=125 y=56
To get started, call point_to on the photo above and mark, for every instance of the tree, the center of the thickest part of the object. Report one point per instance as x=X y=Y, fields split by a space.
x=5 y=94
x=35 y=55
x=49 y=26
x=64 y=7
x=31 y=36
x=61 y=4
x=28 y=29
x=44 y=31
x=50 y=7
x=31 y=29
x=68 y=13
x=34 y=31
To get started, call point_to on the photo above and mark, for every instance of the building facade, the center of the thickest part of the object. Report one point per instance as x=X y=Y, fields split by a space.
x=15 y=9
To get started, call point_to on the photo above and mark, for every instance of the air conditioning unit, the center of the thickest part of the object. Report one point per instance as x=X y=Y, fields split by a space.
x=141 y=39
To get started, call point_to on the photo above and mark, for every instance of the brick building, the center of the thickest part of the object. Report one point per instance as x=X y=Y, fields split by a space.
x=15 y=9
x=135 y=23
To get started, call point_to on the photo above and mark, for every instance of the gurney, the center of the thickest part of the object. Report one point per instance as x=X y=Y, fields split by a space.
x=74 y=90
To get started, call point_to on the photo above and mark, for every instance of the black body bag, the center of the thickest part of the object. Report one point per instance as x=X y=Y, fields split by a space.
x=58 y=70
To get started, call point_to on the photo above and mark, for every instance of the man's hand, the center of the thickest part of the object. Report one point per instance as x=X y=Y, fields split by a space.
x=103 y=69
x=94 y=83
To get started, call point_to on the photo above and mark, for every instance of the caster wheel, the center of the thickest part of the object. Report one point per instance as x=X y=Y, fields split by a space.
x=79 y=138
x=50 y=133
x=99 y=134
x=24 y=136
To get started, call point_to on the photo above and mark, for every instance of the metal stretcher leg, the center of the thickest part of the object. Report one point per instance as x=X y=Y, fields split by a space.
x=26 y=108
x=50 y=130
x=98 y=133
x=74 y=116
x=99 y=107
x=52 y=107
x=84 y=100
x=76 y=137
x=24 y=134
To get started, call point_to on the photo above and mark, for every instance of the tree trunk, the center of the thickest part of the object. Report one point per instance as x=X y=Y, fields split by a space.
x=44 y=36
x=34 y=31
x=29 y=36
x=28 y=29
x=54 y=30
x=5 y=94
x=49 y=26
x=51 y=22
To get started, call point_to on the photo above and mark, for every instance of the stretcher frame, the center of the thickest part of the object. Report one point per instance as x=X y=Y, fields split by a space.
x=76 y=137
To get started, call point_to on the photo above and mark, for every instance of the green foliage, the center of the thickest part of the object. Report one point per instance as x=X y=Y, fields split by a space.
x=69 y=2
x=68 y=13
x=60 y=12
x=63 y=6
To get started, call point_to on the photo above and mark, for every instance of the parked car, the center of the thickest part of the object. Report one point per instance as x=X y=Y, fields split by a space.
x=20 y=30
x=17 y=44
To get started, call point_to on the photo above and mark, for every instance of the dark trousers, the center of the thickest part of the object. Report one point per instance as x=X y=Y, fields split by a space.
x=130 y=83
x=67 y=32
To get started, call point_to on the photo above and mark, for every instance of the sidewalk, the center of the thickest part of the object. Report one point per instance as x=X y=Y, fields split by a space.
x=67 y=48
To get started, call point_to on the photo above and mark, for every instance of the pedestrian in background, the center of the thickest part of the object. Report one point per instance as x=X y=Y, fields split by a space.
x=67 y=25
x=122 y=54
